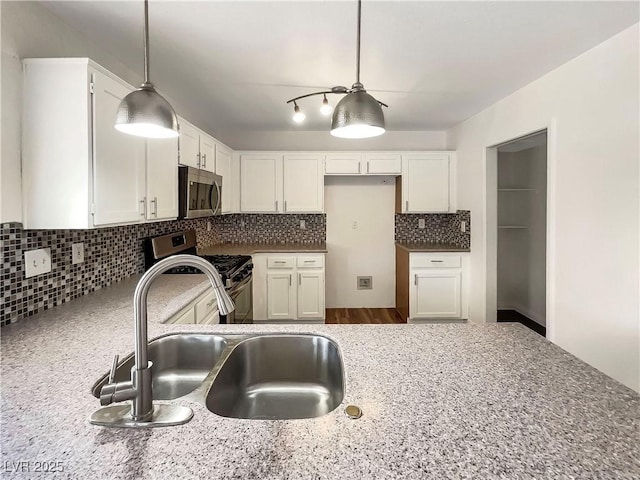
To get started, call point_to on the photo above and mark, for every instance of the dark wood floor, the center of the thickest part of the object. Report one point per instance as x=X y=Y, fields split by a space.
x=513 y=316
x=363 y=315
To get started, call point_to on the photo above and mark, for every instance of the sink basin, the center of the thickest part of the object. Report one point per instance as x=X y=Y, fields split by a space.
x=180 y=363
x=279 y=377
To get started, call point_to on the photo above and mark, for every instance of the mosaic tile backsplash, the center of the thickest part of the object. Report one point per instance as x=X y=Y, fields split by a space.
x=113 y=254
x=439 y=228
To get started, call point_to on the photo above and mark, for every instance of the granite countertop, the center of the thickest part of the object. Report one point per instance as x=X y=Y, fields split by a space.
x=251 y=248
x=439 y=401
x=430 y=247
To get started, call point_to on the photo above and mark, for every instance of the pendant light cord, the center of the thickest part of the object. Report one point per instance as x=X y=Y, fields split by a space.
x=358 y=42
x=146 y=41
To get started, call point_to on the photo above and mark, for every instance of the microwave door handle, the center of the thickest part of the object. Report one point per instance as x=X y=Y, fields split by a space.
x=216 y=208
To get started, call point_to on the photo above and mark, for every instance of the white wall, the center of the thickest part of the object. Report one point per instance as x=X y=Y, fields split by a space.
x=591 y=106
x=323 y=140
x=522 y=252
x=367 y=250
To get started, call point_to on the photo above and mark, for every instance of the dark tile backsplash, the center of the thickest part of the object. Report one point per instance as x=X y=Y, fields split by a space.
x=113 y=254
x=439 y=228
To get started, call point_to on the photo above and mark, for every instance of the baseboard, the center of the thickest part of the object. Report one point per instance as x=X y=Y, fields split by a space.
x=319 y=321
x=418 y=321
x=512 y=315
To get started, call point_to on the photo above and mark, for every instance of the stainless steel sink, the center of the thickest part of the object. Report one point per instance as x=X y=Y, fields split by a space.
x=181 y=362
x=279 y=377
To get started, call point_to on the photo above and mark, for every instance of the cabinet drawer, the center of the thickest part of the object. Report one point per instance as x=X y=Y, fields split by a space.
x=316 y=261
x=186 y=317
x=436 y=261
x=206 y=307
x=281 y=262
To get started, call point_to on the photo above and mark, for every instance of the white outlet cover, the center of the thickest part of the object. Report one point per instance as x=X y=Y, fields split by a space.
x=77 y=253
x=37 y=262
x=303 y=224
x=421 y=223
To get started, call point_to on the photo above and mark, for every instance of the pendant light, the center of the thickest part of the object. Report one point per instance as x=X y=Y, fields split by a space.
x=358 y=114
x=144 y=112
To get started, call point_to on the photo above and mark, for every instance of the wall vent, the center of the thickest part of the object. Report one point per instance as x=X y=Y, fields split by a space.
x=365 y=283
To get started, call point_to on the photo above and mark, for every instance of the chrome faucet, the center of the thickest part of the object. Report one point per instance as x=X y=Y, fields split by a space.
x=143 y=413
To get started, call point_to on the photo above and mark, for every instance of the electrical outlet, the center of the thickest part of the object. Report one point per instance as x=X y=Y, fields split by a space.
x=37 y=262
x=463 y=226
x=241 y=223
x=77 y=253
x=365 y=283
x=421 y=223
x=208 y=225
x=303 y=224
x=354 y=225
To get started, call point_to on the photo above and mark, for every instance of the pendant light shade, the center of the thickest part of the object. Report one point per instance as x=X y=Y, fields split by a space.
x=144 y=112
x=357 y=115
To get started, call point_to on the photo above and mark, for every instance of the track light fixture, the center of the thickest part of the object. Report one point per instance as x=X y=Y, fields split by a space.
x=358 y=114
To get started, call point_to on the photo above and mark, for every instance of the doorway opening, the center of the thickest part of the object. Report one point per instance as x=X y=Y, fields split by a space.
x=522 y=231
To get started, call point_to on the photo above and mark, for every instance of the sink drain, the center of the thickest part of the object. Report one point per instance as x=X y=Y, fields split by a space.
x=353 y=412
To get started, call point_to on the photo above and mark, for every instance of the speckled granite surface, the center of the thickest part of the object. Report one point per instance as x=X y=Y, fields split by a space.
x=430 y=247
x=439 y=401
x=251 y=248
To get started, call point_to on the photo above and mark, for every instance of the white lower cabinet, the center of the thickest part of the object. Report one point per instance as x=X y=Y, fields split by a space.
x=203 y=310
x=310 y=294
x=288 y=287
x=438 y=286
x=281 y=300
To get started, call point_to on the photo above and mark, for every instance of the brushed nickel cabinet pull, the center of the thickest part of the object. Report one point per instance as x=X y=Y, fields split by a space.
x=143 y=202
x=299 y=279
x=407 y=205
x=415 y=279
x=276 y=205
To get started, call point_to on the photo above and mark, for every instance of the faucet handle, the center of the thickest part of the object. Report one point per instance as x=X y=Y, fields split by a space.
x=114 y=366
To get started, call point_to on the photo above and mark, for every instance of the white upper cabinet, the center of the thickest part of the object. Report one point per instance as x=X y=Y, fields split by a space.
x=118 y=160
x=303 y=184
x=189 y=144
x=428 y=182
x=260 y=183
x=78 y=170
x=162 y=179
x=223 y=168
x=382 y=163
x=197 y=149
x=207 y=153
x=343 y=164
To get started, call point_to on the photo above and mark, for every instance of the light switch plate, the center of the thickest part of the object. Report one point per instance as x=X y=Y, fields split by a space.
x=37 y=262
x=77 y=253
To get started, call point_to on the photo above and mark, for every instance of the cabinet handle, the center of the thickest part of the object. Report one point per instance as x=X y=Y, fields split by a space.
x=415 y=279
x=211 y=303
x=154 y=202
x=279 y=261
x=276 y=205
x=367 y=166
x=143 y=202
x=309 y=261
x=358 y=167
x=406 y=205
x=285 y=205
x=436 y=261
x=299 y=279
x=289 y=280
x=204 y=160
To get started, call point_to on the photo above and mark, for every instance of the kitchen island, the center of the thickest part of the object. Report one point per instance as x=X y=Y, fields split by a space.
x=438 y=401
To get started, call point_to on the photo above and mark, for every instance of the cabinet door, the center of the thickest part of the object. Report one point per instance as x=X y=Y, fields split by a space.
x=281 y=301
x=162 y=179
x=223 y=168
x=426 y=183
x=382 y=164
x=436 y=294
x=206 y=307
x=260 y=183
x=311 y=295
x=189 y=145
x=343 y=164
x=118 y=160
x=303 y=184
x=207 y=153
x=186 y=317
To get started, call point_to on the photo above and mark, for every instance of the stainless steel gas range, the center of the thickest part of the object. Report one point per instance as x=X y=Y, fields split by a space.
x=235 y=270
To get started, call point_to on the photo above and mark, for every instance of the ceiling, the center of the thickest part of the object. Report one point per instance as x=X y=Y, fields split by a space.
x=434 y=63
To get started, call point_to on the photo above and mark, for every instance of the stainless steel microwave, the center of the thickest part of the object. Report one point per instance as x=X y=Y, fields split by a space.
x=200 y=193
